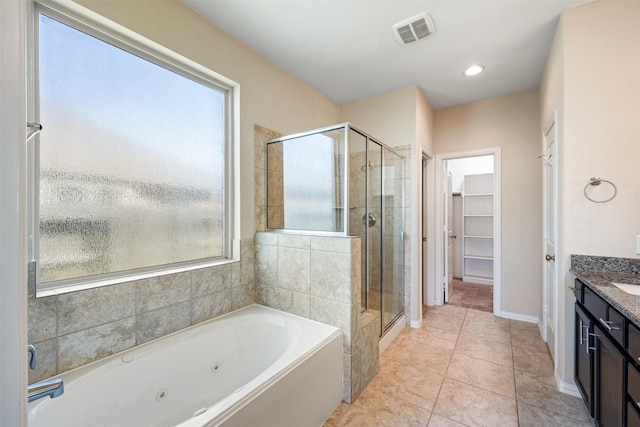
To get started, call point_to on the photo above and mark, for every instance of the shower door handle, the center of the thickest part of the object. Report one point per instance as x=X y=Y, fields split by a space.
x=370 y=219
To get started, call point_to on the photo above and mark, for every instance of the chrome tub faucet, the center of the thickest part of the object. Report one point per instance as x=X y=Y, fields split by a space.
x=52 y=388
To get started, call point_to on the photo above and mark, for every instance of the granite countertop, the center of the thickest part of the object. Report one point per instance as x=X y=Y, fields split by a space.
x=598 y=273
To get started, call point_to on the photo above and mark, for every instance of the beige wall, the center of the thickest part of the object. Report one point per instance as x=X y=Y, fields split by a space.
x=602 y=126
x=592 y=78
x=269 y=96
x=510 y=122
x=402 y=119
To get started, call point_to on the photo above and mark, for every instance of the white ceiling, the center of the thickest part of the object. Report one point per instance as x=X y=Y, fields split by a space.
x=346 y=49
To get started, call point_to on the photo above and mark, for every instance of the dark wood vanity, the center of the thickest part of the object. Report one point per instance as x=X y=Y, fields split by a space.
x=607 y=358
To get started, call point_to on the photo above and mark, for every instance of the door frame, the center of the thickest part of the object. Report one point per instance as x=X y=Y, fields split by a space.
x=436 y=290
x=427 y=229
x=552 y=125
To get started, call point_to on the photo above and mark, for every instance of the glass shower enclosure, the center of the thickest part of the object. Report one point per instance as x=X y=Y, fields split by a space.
x=341 y=181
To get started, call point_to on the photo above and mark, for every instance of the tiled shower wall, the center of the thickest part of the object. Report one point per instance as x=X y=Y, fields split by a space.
x=318 y=277
x=76 y=328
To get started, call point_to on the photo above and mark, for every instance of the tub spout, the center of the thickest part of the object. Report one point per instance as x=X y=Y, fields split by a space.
x=51 y=388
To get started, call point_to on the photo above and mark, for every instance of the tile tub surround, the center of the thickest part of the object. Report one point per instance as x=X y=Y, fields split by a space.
x=77 y=328
x=460 y=382
x=318 y=277
x=599 y=272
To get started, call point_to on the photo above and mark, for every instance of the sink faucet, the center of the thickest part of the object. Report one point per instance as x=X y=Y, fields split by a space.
x=52 y=388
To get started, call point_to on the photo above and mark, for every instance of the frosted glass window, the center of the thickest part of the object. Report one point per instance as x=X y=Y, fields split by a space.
x=132 y=160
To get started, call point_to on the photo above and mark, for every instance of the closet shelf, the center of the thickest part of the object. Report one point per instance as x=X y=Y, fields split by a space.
x=480 y=257
x=478 y=228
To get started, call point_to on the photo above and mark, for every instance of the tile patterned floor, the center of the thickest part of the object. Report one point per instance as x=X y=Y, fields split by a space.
x=471 y=295
x=464 y=367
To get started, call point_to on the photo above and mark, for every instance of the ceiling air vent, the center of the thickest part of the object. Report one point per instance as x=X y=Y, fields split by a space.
x=414 y=29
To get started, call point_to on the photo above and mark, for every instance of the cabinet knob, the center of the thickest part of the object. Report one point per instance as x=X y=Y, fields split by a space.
x=550 y=257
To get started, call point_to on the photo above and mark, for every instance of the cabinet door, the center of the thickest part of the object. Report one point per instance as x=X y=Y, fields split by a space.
x=610 y=393
x=633 y=420
x=584 y=358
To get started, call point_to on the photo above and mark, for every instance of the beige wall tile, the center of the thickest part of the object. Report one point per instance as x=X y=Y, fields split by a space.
x=154 y=324
x=91 y=344
x=161 y=291
x=205 y=281
x=93 y=307
x=210 y=306
x=294 y=269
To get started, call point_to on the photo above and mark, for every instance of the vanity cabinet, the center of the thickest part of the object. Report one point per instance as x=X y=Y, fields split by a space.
x=633 y=376
x=584 y=358
x=601 y=359
x=609 y=380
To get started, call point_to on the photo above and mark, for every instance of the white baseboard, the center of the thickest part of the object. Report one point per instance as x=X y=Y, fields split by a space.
x=415 y=323
x=567 y=388
x=520 y=317
x=395 y=330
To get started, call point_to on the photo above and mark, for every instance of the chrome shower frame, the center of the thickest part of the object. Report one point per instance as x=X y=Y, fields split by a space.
x=346 y=127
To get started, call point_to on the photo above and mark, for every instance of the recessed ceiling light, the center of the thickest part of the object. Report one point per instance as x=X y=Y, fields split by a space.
x=473 y=70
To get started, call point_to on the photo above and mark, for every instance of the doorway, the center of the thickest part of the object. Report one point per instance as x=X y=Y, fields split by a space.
x=468 y=255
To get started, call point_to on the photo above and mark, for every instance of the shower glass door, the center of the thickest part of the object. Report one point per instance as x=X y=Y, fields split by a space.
x=374 y=224
x=376 y=176
x=392 y=238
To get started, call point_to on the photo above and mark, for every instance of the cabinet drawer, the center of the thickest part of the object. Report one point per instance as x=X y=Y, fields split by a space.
x=617 y=324
x=633 y=420
x=634 y=343
x=633 y=383
x=594 y=304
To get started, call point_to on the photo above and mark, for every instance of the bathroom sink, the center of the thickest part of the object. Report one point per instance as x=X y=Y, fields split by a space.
x=630 y=289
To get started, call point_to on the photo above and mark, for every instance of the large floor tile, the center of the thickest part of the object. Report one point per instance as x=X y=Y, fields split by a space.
x=473 y=406
x=476 y=316
x=517 y=324
x=543 y=393
x=529 y=339
x=464 y=367
x=426 y=335
x=532 y=361
x=337 y=414
x=485 y=349
x=437 y=420
x=492 y=332
x=432 y=357
x=482 y=374
x=375 y=409
x=447 y=310
x=532 y=416
x=443 y=321
x=409 y=383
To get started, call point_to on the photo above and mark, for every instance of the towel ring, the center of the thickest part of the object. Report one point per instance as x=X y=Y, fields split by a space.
x=595 y=181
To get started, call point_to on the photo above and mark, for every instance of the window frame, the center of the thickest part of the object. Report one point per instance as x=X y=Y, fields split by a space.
x=95 y=25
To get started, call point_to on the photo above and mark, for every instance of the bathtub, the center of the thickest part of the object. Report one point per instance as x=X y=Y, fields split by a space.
x=253 y=367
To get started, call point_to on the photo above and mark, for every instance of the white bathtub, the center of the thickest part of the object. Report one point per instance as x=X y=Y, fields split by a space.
x=254 y=367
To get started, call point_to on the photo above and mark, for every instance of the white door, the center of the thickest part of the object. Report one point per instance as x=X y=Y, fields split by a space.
x=549 y=274
x=425 y=258
x=448 y=237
